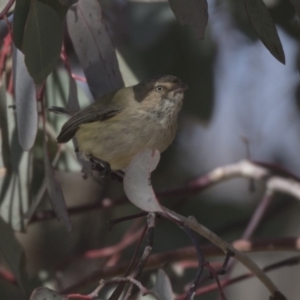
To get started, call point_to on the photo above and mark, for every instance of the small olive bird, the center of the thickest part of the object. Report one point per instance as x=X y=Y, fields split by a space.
x=115 y=128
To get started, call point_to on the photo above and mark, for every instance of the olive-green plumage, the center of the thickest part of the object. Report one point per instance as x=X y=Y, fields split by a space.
x=121 y=124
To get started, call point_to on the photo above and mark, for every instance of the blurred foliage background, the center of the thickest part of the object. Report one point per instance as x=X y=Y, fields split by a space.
x=237 y=92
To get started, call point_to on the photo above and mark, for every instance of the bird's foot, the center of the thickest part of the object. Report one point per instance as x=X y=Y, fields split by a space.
x=99 y=165
x=104 y=169
x=117 y=175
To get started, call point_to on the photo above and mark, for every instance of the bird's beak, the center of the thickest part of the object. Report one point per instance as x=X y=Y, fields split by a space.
x=180 y=88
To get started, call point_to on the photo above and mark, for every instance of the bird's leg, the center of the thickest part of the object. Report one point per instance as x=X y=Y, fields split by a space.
x=117 y=175
x=104 y=169
x=100 y=165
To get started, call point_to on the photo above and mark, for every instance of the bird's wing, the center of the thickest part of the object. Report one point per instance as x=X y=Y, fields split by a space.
x=92 y=113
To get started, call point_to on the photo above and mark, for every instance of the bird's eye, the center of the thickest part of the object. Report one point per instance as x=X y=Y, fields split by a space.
x=159 y=88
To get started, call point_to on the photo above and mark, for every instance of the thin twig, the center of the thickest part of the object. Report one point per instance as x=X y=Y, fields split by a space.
x=243 y=168
x=258 y=215
x=111 y=250
x=117 y=292
x=159 y=260
x=65 y=59
x=242 y=258
x=215 y=275
x=6 y=9
x=201 y=260
x=117 y=280
x=146 y=253
x=111 y=223
x=212 y=287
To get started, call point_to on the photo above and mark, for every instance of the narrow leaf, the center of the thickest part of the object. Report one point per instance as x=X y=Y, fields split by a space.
x=46 y=294
x=55 y=193
x=26 y=104
x=296 y=4
x=73 y=103
x=42 y=40
x=13 y=254
x=263 y=24
x=67 y=2
x=4 y=126
x=14 y=195
x=94 y=47
x=21 y=12
x=137 y=182
x=191 y=12
x=162 y=286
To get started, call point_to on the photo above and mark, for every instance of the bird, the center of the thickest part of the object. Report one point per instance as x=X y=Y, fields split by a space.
x=122 y=123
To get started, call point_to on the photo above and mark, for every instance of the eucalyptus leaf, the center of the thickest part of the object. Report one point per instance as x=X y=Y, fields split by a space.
x=42 y=39
x=4 y=127
x=264 y=26
x=296 y=4
x=191 y=12
x=14 y=195
x=55 y=192
x=26 y=103
x=13 y=254
x=162 y=286
x=46 y=294
x=137 y=182
x=94 y=47
x=73 y=103
x=21 y=12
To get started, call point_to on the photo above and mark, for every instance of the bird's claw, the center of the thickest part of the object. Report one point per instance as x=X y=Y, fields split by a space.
x=99 y=165
x=104 y=169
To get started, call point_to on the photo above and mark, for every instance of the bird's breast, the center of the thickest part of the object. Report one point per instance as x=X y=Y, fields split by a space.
x=118 y=139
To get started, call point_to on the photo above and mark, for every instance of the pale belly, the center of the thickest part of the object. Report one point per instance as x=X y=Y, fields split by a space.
x=117 y=142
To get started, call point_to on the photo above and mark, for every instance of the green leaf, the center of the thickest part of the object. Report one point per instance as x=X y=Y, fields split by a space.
x=26 y=103
x=60 y=8
x=42 y=40
x=73 y=103
x=13 y=254
x=94 y=48
x=192 y=13
x=55 y=192
x=14 y=195
x=4 y=126
x=20 y=17
x=262 y=23
x=296 y=4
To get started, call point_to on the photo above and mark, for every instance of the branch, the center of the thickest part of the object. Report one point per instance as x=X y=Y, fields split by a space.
x=6 y=9
x=192 y=223
x=288 y=185
x=158 y=260
x=247 y=169
x=212 y=287
x=201 y=261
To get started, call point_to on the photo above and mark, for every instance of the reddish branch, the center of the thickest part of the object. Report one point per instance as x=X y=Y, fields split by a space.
x=6 y=9
x=5 y=51
x=177 y=256
x=7 y=275
x=212 y=287
x=247 y=169
x=131 y=278
x=128 y=239
x=66 y=62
